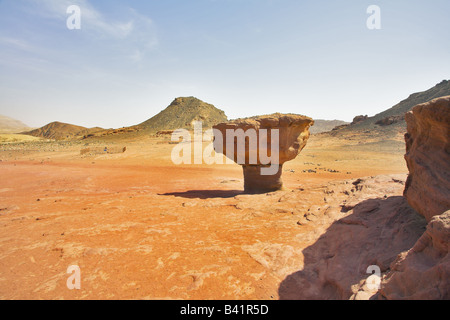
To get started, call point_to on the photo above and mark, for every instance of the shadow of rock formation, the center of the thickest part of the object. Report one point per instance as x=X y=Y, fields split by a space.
x=205 y=194
x=335 y=265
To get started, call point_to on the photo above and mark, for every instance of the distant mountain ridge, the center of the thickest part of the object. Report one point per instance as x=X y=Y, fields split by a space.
x=321 y=126
x=61 y=131
x=10 y=125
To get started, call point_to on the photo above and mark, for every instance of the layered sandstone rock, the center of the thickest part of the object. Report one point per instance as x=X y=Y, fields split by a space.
x=257 y=149
x=428 y=157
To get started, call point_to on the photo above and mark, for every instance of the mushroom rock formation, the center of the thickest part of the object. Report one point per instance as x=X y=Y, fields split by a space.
x=428 y=157
x=257 y=140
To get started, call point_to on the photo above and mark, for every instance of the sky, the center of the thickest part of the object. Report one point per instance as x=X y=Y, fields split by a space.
x=130 y=59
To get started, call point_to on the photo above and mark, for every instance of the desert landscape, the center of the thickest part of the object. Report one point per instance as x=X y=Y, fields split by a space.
x=112 y=202
x=227 y=159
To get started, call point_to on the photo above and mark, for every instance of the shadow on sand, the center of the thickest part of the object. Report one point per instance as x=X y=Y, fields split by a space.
x=205 y=194
x=374 y=234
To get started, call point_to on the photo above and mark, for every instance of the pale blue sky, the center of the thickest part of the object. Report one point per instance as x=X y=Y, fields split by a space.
x=132 y=58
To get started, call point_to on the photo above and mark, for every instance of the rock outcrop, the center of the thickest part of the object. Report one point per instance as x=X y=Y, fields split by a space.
x=389 y=120
x=359 y=119
x=424 y=271
x=428 y=157
x=256 y=148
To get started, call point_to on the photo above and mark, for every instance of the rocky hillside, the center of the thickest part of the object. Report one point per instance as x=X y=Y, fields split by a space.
x=61 y=131
x=9 y=125
x=393 y=119
x=181 y=113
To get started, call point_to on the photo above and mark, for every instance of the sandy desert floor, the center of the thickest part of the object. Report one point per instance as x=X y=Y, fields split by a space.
x=140 y=227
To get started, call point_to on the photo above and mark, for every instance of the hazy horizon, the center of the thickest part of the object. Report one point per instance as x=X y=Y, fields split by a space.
x=131 y=59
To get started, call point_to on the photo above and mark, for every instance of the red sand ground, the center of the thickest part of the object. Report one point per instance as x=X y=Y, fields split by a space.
x=140 y=227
